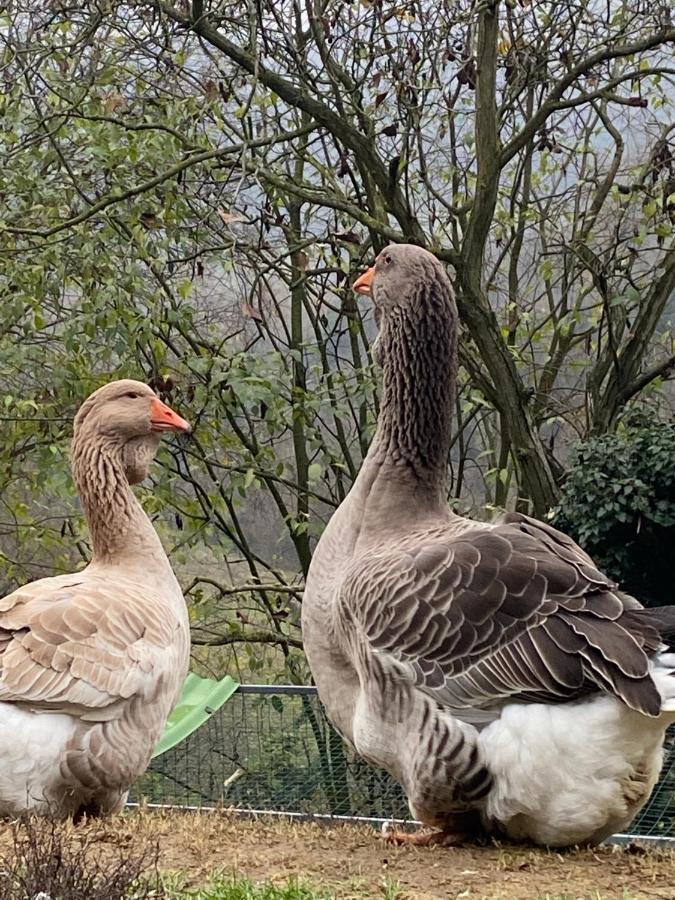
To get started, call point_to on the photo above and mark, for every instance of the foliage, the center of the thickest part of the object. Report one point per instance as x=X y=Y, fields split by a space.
x=619 y=504
x=45 y=861
x=189 y=190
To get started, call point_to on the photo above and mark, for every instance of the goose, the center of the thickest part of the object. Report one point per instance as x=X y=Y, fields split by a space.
x=490 y=668
x=92 y=663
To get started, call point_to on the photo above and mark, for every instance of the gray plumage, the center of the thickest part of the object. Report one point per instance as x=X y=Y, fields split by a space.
x=451 y=652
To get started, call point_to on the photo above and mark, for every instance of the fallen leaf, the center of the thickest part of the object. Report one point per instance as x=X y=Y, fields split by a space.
x=251 y=312
x=112 y=102
x=211 y=90
x=229 y=217
x=343 y=168
x=349 y=237
x=149 y=219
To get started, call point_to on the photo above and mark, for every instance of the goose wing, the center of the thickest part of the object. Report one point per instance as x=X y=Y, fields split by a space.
x=82 y=645
x=515 y=612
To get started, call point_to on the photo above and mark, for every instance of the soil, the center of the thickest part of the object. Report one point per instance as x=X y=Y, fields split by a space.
x=354 y=862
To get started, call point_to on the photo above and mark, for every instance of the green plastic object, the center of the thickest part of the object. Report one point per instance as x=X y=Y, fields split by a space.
x=200 y=698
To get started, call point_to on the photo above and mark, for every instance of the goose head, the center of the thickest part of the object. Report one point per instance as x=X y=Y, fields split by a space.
x=403 y=276
x=129 y=418
x=407 y=282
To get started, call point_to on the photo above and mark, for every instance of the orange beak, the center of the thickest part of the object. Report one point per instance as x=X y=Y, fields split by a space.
x=363 y=284
x=163 y=418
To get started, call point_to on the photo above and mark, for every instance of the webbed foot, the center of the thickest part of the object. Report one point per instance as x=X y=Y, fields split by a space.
x=424 y=838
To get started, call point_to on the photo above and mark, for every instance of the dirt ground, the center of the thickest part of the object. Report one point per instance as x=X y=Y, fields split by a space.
x=354 y=862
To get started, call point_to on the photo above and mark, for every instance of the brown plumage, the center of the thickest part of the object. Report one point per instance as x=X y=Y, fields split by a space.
x=92 y=663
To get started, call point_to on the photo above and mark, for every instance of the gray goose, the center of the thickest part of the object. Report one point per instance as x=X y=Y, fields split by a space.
x=92 y=663
x=490 y=668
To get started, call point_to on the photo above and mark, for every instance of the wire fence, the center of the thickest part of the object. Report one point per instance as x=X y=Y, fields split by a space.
x=271 y=749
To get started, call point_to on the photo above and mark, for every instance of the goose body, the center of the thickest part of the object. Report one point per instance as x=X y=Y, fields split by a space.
x=490 y=668
x=92 y=663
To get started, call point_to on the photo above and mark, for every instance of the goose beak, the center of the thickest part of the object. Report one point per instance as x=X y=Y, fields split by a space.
x=363 y=284
x=163 y=418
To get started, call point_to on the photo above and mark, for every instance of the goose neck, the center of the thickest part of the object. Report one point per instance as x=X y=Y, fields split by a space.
x=419 y=356
x=119 y=528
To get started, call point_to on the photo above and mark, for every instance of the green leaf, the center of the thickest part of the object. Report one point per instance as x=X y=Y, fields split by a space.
x=314 y=472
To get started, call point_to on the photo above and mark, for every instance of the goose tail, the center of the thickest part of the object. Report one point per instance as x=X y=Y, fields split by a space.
x=662 y=667
x=662 y=664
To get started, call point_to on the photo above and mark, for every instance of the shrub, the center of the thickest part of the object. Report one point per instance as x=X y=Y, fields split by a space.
x=619 y=503
x=55 y=861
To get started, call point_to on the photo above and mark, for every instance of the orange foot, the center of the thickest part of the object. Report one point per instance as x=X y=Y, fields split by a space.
x=425 y=838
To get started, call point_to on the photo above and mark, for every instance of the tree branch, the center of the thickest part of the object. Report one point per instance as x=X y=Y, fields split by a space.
x=604 y=93
x=487 y=147
x=662 y=368
x=551 y=103
x=253 y=637
x=622 y=378
x=273 y=587
x=295 y=96
x=145 y=186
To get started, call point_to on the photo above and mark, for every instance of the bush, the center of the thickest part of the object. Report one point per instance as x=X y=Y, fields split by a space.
x=55 y=861
x=619 y=504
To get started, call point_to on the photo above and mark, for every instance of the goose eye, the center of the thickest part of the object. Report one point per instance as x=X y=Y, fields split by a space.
x=386 y=259
x=133 y=395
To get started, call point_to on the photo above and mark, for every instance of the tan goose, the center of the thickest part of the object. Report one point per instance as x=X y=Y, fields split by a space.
x=92 y=663
x=490 y=668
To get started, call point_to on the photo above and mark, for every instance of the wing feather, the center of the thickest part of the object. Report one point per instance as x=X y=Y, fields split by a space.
x=516 y=612
x=83 y=646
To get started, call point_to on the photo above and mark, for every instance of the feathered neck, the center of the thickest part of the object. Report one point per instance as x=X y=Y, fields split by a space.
x=417 y=347
x=120 y=530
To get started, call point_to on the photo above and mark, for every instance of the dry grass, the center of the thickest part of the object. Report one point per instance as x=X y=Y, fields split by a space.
x=43 y=858
x=348 y=862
